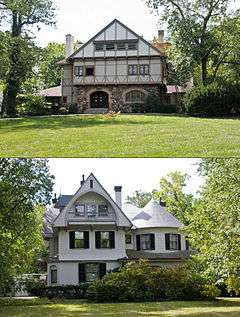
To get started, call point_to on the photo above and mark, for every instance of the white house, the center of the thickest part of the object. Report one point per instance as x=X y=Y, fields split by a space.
x=95 y=234
x=112 y=71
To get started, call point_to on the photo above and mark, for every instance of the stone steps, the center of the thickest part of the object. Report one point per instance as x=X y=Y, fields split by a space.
x=96 y=110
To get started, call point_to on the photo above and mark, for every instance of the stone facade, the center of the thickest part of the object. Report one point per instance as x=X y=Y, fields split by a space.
x=116 y=93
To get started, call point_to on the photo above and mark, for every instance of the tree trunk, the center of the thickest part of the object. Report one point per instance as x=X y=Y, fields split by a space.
x=204 y=70
x=13 y=81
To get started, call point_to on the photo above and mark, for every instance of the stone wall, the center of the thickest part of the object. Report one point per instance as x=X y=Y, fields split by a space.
x=116 y=95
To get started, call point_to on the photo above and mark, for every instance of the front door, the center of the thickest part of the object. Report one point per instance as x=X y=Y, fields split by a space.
x=99 y=99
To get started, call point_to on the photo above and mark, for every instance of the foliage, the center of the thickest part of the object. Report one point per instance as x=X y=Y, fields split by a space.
x=23 y=302
x=213 y=100
x=193 y=26
x=31 y=104
x=25 y=186
x=20 y=16
x=138 y=281
x=172 y=192
x=139 y=199
x=214 y=226
x=53 y=292
x=155 y=104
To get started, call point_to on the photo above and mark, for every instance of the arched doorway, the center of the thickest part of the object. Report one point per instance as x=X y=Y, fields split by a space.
x=99 y=99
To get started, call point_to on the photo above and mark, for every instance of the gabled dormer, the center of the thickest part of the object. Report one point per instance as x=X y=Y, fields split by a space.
x=91 y=205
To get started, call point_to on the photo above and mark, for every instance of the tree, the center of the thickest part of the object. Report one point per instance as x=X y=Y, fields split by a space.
x=214 y=228
x=172 y=192
x=25 y=187
x=139 y=198
x=21 y=16
x=192 y=25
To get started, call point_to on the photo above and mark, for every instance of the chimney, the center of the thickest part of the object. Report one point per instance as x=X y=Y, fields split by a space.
x=79 y=44
x=162 y=203
x=161 y=36
x=83 y=180
x=69 y=45
x=118 y=195
x=55 y=200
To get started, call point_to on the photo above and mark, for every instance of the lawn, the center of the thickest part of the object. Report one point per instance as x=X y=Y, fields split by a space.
x=223 y=307
x=123 y=136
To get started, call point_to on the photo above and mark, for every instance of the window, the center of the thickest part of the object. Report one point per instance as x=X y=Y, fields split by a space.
x=89 y=272
x=53 y=274
x=105 y=240
x=91 y=183
x=132 y=46
x=78 y=71
x=144 y=70
x=102 y=210
x=187 y=244
x=110 y=47
x=128 y=238
x=145 y=242
x=173 y=241
x=90 y=71
x=135 y=96
x=80 y=210
x=91 y=210
x=99 y=47
x=121 y=46
x=132 y=70
x=79 y=239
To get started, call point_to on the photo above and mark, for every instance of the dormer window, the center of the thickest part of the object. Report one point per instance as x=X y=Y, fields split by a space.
x=102 y=210
x=80 y=211
x=91 y=210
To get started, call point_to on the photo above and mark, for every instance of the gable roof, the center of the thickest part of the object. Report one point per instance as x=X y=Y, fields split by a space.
x=123 y=220
x=108 y=26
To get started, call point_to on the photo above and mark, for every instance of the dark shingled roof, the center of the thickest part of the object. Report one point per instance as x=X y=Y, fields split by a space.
x=63 y=200
x=137 y=255
x=50 y=215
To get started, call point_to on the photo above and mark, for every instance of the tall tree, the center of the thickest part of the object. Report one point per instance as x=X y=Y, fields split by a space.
x=25 y=187
x=21 y=16
x=192 y=25
x=172 y=192
x=139 y=198
x=214 y=228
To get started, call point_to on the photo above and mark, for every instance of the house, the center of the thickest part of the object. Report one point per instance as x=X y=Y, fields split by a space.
x=112 y=71
x=94 y=234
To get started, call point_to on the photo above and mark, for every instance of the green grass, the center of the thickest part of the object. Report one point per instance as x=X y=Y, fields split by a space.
x=223 y=307
x=124 y=136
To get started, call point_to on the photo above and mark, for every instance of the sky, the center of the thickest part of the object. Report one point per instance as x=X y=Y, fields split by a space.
x=131 y=174
x=84 y=19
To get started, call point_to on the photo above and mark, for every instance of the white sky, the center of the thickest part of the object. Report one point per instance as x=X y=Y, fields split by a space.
x=132 y=174
x=84 y=19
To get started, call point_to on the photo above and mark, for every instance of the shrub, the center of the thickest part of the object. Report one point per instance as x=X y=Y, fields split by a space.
x=73 y=108
x=33 y=105
x=66 y=291
x=138 y=281
x=213 y=100
x=153 y=104
x=63 y=110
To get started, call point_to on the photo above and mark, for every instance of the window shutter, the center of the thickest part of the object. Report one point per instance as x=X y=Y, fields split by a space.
x=152 y=241
x=112 y=239
x=167 y=241
x=138 y=242
x=86 y=240
x=179 y=242
x=102 y=270
x=98 y=240
x=72 y=240
x=82 y=273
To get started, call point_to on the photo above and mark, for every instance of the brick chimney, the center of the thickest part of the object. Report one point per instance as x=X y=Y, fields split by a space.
x=161 y=36
x=69 y=45
x=118 y=195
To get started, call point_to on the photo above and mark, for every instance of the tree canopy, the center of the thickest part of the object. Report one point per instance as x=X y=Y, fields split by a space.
x=139 y=198
x=25 y=187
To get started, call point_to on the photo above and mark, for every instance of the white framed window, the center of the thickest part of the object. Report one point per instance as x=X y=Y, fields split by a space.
x=132 y=70
x=80 y=210
x=173 y=241
x=144 y=70
x=79 y=240
x=102 y=210
x=78 y=71
x=92 y=272
x=91 y=210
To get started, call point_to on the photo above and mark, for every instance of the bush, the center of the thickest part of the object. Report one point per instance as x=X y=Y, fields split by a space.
x=213 y=100
x=153 y=104
x=73 y=108
x=33 y=105
x=66 y=291
x=141 y=282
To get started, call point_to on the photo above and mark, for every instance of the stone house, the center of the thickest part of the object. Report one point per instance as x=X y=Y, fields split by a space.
x=94 y=234
x=112 y=71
